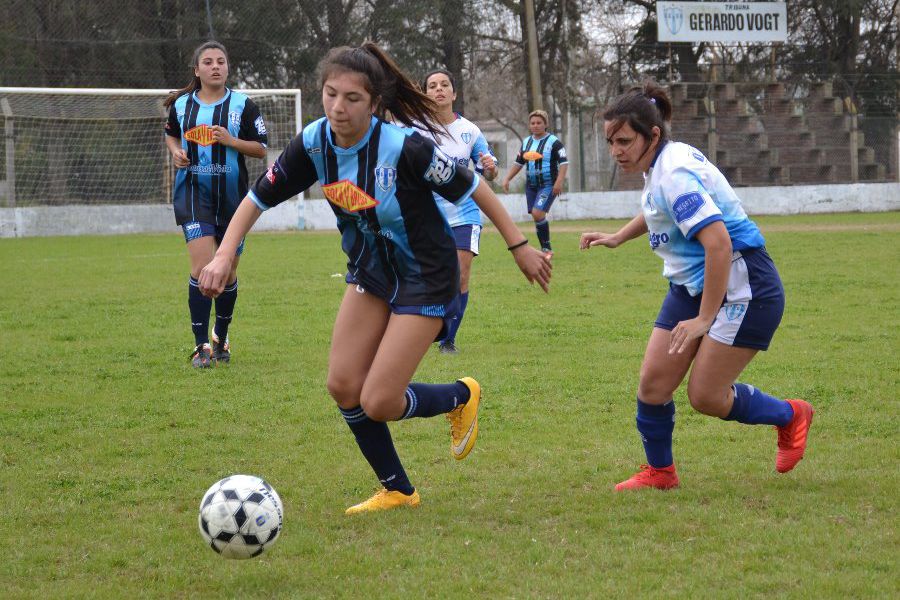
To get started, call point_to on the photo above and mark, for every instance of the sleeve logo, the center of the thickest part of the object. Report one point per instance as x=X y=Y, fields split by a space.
x=348 y=196
x=687 y=205
x=562 y=153
x=260 y=125
x=441 y=169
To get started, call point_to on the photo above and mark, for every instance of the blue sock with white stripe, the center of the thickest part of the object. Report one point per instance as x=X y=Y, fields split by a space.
x=375 y=443
x=542 y=228
x=225 y=309
x=431 y=399
x=655 y=423
x=456 y=322
x=199 y=306
x=754 y=407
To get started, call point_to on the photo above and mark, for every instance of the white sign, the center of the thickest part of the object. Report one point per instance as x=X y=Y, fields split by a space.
x=721 y=21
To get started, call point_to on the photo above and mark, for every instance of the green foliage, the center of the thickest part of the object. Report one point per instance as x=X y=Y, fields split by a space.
x=110 y=438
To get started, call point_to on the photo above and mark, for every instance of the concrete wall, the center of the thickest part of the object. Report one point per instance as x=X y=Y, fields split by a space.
x=316 y=214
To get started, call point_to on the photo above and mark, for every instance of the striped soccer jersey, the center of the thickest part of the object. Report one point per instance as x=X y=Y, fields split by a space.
x=211 y=187
x=683 y=193
x=398 y=244
x=542 y=158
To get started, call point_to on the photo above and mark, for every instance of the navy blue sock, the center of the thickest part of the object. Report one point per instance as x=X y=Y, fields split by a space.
x=199 y=306
x=430 y=399
x=456 y=322
x=655 y=423
x=225 y=309
x=755 y=407
x=375 y=443
x=542 y=228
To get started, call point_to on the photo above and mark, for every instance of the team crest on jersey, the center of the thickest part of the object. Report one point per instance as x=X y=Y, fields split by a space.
x=385 y=177
x=348 y=196
x=235 y=118
x=466 y=137
x=201 y=134
x=532 y=155
x=441 y=169
x=734 y=311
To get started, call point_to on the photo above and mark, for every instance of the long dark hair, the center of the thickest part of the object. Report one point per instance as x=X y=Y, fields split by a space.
x=391 y=89
x=643 y=107
x=194 y=85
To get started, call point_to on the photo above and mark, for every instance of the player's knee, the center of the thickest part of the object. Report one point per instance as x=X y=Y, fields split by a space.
x=651 y=391
x=704 y=400
x=377 y=407
x=343 y=390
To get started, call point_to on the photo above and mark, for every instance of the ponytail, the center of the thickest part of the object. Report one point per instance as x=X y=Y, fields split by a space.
x=643 y=107
x=194 y=85
x=391 y=89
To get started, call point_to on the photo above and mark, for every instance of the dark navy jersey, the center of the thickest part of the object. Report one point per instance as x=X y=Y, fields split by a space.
x=398 y=243
x=211 y=187
x=542 y=158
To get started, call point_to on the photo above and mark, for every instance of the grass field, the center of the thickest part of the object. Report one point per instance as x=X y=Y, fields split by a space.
x=109 y=438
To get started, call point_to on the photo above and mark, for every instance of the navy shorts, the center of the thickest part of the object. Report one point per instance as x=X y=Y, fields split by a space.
x=446 y=312
x=751 y=310
x=467 y=237
x=198 y=229
x=539 y=198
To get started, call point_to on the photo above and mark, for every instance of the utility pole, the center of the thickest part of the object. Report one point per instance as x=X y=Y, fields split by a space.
x=534 y=67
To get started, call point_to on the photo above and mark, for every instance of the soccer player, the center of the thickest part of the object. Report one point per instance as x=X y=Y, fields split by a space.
x=462 y=142
x=544 y=158
x=209 y=130
x=402 y=269
x=725 y=296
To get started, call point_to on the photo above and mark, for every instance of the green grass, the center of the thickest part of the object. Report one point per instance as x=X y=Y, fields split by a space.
x=109 y=438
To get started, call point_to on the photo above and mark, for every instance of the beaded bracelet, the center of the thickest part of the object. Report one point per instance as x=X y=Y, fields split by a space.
x=519 y=245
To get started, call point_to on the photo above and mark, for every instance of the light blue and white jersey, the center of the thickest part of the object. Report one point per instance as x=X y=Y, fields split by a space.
x=465 y=143
x=683 y=193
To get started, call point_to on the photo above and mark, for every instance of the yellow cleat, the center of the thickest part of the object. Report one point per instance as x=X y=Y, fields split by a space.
x=384 y=500
x=464 y=421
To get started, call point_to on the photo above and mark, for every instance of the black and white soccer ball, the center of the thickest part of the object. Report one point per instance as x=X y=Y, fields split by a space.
x=240 y=516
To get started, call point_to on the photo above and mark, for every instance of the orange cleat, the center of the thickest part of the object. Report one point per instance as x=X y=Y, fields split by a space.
x=650 y=477
x=792 y=437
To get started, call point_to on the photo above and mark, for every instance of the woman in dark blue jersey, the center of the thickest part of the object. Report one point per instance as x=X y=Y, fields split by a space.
x=725 y=297
x=402 y=267
x=209 y=130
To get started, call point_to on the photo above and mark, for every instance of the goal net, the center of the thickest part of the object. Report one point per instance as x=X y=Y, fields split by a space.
x=105 y=146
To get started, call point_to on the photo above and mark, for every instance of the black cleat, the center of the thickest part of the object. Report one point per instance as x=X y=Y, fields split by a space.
x=201 y=357
x=221 y=351
x=448 y=347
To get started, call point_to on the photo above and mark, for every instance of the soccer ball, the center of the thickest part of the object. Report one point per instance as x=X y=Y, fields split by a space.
x=240 y=516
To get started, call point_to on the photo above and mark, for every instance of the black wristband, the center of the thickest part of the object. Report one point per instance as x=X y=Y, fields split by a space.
x=519 y=245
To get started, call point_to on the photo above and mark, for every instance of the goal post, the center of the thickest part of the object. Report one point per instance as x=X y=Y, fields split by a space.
x=96 y=146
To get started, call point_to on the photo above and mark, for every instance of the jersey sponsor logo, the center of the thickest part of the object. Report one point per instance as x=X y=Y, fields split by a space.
x=441 y=169
x=734 y=311
x=687 y=205
x=697 y=154
x=313 y=150
x=201 y=134
x=658 y=238
x=260 y=125
x=235 y=118
x=532 y=155
x=385 y=177
x=348 y=196
x=466 y=137
x=209 y=169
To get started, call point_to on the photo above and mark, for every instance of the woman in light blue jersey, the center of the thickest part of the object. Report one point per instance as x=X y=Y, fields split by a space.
x=463 y=142
x=209 y=131
x=725 y=297
x=402 y=269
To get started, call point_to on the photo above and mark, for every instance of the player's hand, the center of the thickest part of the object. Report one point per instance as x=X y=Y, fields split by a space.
x=557 y=189
x=506 y=186
x=535 y=264
x=221 y=136
x=214 y=276
x=595 y=238
x=180 y=159
x=687 y=331
x=487 y=162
